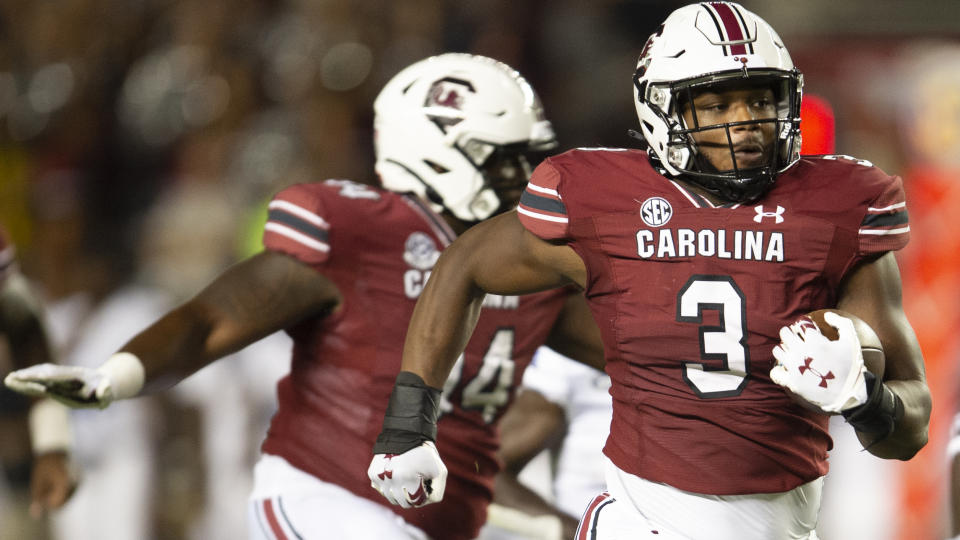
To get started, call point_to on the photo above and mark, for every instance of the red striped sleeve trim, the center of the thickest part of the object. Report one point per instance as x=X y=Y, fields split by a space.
x=541 y=209
x=884 y=231
x=296 y=236
x=294 y=229
x=886 y=220
x=886 y=223
x=542 y=224
x=543 y=203
x=300 y=212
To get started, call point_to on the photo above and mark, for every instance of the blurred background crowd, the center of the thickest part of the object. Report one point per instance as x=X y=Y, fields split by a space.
x=141 y=139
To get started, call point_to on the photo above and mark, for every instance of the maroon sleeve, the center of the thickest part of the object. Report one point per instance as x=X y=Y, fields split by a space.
x=541 y=208
x=298 y=224
x=885 y=225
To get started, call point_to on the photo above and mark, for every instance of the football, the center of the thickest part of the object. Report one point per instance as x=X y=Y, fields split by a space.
x=870 y=346
x=873 y=357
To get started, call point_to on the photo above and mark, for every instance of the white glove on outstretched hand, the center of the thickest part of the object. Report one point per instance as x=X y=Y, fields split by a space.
x=827 y=374
x=121 y=376
x=412 y=479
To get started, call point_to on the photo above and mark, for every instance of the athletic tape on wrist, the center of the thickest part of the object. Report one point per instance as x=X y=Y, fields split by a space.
x=49 y=423
x=125 y=373
x=880 y=413
x=411 y=416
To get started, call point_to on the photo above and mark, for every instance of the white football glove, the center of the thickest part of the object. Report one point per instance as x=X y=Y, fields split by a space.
x=412 y=479
x=828 y=374
x=121 y=376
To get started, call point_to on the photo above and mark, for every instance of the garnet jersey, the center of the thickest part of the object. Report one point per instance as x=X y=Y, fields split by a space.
x=690 y=298
x=379 y=248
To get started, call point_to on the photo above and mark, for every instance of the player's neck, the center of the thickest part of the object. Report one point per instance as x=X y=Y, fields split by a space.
x=458 y=226
x=714 y=199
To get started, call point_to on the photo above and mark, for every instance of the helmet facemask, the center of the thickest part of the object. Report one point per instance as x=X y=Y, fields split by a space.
x=691 y=142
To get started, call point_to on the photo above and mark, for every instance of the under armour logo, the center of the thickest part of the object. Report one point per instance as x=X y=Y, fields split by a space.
x=387 y=473
x=778 y=215
x=823 y=378
x=419 y=496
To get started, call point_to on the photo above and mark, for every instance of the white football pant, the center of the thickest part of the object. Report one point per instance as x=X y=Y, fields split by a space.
x=289 y=504
x=638 y=509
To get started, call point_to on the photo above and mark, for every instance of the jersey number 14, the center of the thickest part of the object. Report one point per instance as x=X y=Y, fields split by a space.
x=489 y=390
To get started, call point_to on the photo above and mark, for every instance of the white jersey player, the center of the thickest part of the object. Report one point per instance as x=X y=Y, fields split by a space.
x=584 y=395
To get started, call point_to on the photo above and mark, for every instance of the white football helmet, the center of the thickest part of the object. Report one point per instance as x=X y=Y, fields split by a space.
x=698 y=47
x=439 y=121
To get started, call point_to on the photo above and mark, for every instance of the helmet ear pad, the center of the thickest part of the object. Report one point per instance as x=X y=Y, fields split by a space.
x=438 y=121
x=717 y=47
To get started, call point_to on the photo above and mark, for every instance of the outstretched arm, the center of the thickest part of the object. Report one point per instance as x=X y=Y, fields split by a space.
x=873 y=293
x=498 y=256
x=250 y=300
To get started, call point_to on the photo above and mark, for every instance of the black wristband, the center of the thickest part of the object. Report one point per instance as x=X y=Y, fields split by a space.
x=879 y=415
x=411 y=416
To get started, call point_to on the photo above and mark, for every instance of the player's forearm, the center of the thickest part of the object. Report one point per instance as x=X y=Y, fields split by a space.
x=249 y=301
x=442 y=322
x=911 y=430
x=905 y=377
x=497 y=256
x=174 y=347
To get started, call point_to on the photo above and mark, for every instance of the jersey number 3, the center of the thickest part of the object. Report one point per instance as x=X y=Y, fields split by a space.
x=722 y=347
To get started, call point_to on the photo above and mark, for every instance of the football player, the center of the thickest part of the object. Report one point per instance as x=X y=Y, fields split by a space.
x=696 y=258
x=21 y=323
x=343 y=267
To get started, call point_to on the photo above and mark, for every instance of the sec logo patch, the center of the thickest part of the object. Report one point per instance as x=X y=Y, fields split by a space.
x=656 y=211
